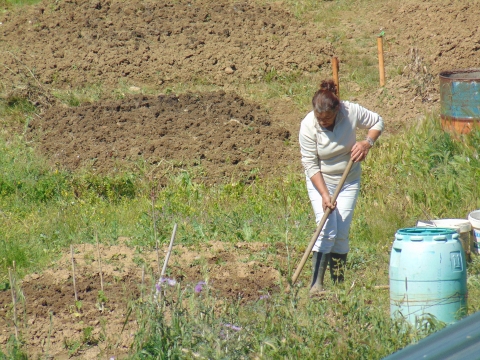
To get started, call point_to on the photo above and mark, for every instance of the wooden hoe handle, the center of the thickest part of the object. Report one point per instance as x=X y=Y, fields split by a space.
x=321 y=224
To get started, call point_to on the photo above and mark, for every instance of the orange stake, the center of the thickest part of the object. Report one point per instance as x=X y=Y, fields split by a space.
x=381 y=65
x=335 y=70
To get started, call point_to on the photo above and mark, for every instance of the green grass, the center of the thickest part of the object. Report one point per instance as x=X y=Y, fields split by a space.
x=16 y=106
x=293 y=86
x=76 y=97
x=6 y=5
x=40 y=206
x=323 y=11
x=423 y=170
x=406 y=175
x=10 y=3
x=350 y=324
x=16 y=111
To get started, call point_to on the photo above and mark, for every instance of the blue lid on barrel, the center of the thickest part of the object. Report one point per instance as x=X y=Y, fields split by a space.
x=426 y=231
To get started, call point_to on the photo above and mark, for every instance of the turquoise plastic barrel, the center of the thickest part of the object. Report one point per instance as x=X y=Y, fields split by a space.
x=428 y=275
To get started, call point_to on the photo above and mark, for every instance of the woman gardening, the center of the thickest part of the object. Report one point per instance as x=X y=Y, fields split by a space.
x=327 y=142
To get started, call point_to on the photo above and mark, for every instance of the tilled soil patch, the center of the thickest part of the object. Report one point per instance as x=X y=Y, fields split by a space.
x=71 y=43
x=52 y=323
x=223 y=135
x=446 y=33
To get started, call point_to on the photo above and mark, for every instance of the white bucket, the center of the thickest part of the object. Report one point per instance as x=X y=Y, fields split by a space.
x=462 y=226
x=474 y=218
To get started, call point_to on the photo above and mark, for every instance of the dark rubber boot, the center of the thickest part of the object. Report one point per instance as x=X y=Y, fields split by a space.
x=319 y=266
x=337 y=267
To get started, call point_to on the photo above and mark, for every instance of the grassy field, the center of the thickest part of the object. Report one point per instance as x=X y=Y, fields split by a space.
x=418 y=172
x=41 y=215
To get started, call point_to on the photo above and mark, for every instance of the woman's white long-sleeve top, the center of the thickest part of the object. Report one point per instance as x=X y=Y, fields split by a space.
x=327 y=151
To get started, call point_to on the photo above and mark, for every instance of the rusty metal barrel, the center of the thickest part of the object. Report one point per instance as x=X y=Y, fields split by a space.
x=460 y=100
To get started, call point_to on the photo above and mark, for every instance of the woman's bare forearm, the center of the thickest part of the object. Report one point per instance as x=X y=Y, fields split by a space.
x=319 y=183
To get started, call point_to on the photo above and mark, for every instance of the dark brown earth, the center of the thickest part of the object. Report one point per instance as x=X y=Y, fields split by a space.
x=51 y=323
x=220 y=133
x=67 y=45
x=72 y=43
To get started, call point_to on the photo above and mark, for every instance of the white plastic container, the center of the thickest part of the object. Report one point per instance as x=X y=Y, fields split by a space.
x=462 y=226
x=474 y=218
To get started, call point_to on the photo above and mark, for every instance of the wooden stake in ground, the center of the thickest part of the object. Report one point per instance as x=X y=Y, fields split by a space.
x=158 y=256
x=152 y=197
x=143 y=280
x=164 y=269
x=335 y=71
x=73 y=273
x=381 y=65
x=99 y=262
x=100 y=270
x=14 y=300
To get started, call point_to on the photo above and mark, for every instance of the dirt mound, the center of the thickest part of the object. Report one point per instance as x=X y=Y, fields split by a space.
x=220 y=132
x=71 y=43
x=446 y=33
x=52 y=323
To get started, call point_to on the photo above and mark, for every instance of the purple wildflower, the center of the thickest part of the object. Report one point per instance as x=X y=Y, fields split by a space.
x=264 y=297
x=233 y=327
x=199 y=286
x=171 y=282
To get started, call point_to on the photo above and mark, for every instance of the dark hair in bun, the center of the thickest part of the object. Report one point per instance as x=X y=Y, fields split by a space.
x=326 y=99
x=328 y=85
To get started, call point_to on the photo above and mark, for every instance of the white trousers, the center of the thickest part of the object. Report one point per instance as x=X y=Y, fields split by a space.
x=334 y=235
